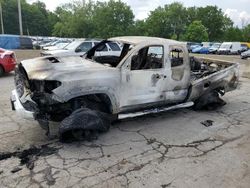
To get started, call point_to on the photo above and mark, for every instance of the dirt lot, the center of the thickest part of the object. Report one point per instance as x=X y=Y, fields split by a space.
x=170 y=149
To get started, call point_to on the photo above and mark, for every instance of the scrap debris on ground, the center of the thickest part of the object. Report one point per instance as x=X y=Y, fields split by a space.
x=207 y=123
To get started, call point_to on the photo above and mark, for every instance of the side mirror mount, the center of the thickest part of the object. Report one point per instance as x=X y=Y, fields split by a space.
x=127 y=65
x=78 y=50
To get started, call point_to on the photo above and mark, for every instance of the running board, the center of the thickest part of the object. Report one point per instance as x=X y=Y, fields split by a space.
x=155 y=110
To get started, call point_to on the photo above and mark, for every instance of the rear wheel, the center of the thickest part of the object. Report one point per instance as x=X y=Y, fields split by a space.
x=209 y=101
x=1 y=71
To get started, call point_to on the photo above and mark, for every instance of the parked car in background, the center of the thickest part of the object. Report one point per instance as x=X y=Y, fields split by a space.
x=77 y=47
x=57 y=46
x=81 y=46
x=192 y=45
x=247 y=44
x=244 y=47
x=25 y=43
x=245 y=55
x=230 y=48
x=206 y=44
x=7 y=61
x=201 y=50
x=54 y=43
x=214 y=48
x=45 y=43
x=39 y=43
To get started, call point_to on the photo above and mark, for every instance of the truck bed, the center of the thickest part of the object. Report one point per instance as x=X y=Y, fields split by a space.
x=210 y=74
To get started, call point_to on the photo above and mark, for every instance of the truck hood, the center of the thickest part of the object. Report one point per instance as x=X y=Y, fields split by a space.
x=52 y=68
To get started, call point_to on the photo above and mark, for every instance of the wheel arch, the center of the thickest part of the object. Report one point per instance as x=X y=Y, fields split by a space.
x=105 y=98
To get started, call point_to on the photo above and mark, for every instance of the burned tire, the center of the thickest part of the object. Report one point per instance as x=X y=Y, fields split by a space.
x=83 y=124
x=1 y=71
x=209 y=101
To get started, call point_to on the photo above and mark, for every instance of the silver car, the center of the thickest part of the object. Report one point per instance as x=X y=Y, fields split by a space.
x=245 y=55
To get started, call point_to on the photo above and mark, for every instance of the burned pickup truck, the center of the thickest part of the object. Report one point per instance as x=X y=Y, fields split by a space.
x=150 y=75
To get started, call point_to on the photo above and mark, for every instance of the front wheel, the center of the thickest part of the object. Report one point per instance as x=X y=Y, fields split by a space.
x=83 y=124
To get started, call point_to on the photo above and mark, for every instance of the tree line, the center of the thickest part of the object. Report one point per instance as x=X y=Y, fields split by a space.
x=116 y=18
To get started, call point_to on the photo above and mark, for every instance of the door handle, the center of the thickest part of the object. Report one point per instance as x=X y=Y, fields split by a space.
x=157 y=76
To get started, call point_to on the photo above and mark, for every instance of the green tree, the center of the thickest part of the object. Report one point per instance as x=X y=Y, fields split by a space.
x=140 y=28
x=214 y=20
x=156 y=23
x=168 y=22
x=233 y=34
x=81 y=23
x=196 y=32
x=34 y=21
x=10 y=16
x=112 y=18
x=35 y=18
x=246 y=33
x=64 y=16
x=191 y=15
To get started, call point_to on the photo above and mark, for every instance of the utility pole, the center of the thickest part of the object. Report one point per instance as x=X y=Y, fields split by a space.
x=20 y=17
x=1 y=17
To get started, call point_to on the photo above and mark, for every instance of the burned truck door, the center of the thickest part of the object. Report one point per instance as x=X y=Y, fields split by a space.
x=176 y=89
x=142 y=77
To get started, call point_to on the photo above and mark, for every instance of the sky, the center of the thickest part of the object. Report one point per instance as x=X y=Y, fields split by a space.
x=237 y=10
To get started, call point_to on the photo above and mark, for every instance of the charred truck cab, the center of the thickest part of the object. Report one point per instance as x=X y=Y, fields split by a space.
x=149 y=75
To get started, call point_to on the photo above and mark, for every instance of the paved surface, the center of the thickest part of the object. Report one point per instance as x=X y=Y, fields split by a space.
x=171 y=149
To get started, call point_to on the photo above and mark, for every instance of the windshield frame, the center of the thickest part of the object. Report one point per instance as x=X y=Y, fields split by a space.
x=125 y=50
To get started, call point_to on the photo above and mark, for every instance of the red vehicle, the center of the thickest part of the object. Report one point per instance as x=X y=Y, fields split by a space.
x=7 y=61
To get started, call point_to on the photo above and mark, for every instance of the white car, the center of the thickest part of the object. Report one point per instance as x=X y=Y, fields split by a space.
x=214 y=48
x=81 y=46
x=58 y=46
x=230 y=48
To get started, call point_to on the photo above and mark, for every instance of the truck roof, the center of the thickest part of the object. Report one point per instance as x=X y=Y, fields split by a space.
x=135 y=40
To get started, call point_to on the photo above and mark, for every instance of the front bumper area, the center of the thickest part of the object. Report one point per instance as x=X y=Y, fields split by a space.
x=18 y=107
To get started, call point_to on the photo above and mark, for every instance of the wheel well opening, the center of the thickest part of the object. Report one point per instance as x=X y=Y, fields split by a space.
x=100 y=102
x=57 y=112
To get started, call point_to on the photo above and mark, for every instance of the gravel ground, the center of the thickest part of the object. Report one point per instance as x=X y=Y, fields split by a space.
x=171 y=149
